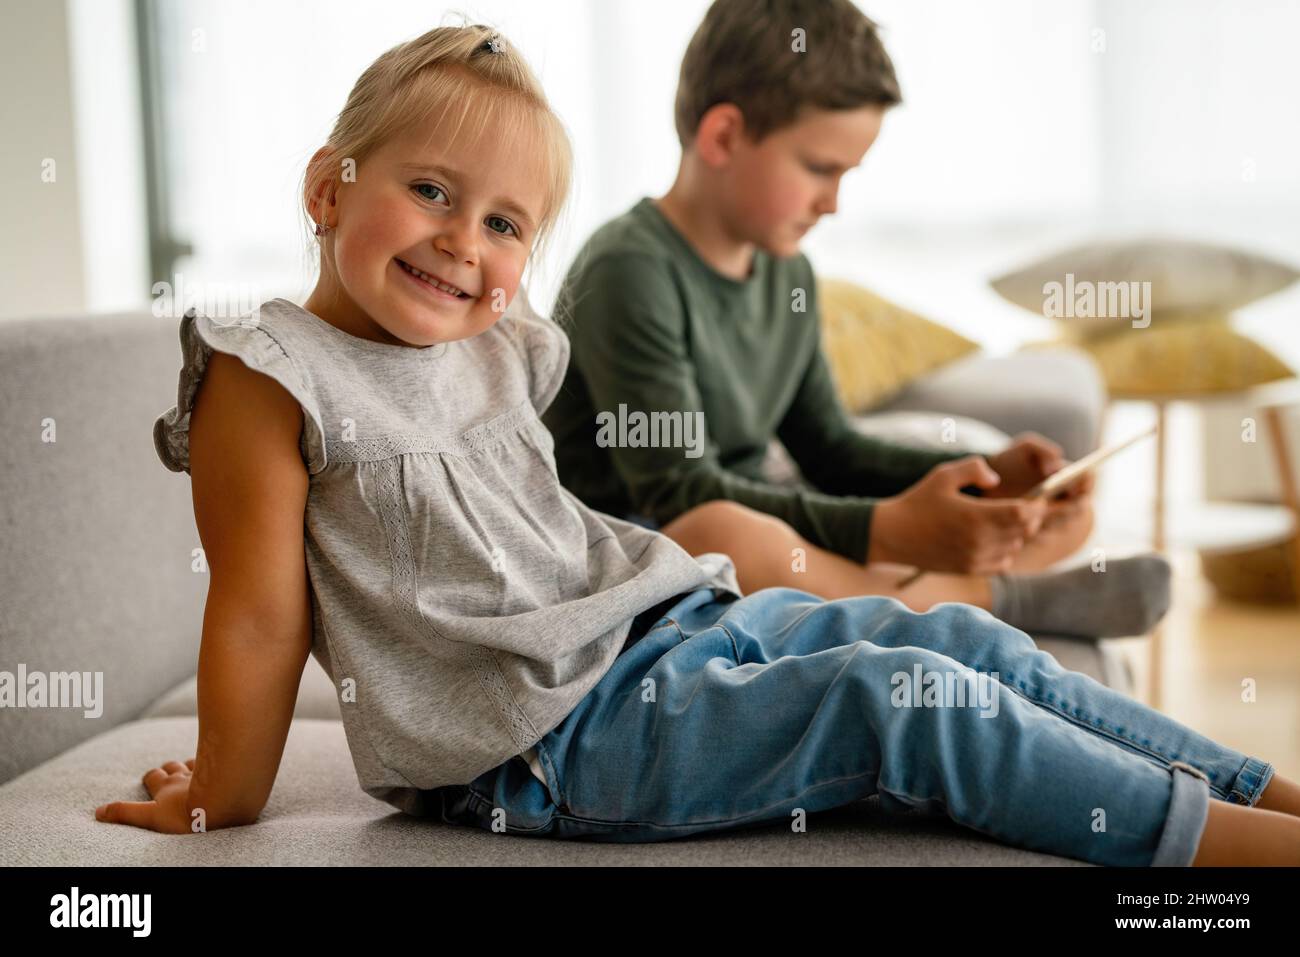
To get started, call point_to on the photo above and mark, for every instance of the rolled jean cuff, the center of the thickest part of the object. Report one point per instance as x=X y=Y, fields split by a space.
x=1189 y=805
x=1250 y=782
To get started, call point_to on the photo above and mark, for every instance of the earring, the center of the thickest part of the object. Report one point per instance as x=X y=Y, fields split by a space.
x=321 y=229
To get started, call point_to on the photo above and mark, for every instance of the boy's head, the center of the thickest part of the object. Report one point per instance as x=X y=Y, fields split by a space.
x=778 y=99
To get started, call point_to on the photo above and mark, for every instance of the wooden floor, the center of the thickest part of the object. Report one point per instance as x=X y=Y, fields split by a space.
x=1210 y=648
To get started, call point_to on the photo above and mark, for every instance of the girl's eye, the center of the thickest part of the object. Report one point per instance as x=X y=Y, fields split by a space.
x=494 y=222
x=436 y=190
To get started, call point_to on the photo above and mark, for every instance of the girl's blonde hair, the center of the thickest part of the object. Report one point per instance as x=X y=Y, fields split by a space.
x=455 y=74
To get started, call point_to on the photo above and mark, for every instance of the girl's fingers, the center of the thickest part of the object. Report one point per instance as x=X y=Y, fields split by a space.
x=156 y=777
x=152 y=779
x=136 y=813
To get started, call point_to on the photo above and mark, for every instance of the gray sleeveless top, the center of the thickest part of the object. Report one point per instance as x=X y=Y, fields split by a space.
x=463 y=601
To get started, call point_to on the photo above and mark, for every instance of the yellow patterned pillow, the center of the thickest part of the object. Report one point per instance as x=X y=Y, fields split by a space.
x=875 y=348
x=1175 y=358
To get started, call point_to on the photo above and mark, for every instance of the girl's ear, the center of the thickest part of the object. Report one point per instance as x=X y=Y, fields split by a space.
x=322 y=185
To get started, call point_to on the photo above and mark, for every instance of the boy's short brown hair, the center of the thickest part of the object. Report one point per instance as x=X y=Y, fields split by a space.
x=752 y=53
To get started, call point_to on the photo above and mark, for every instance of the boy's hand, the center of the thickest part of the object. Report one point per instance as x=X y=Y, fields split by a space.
x=168 y=812
x=934 y=526
x=1076 y=491
x=1028 y=460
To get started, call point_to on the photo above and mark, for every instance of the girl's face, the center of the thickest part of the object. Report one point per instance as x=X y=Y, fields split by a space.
x=431 y=238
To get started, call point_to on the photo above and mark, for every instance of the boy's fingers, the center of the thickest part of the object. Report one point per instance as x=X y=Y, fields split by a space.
x=1014 y=517
x=1002 y=551
x=1049 y=455
x=136 y=813
x=992 y=562
x=172 y=767
x=972 y=470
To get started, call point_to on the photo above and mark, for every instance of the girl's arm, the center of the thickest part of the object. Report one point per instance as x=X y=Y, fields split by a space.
x=250 y=491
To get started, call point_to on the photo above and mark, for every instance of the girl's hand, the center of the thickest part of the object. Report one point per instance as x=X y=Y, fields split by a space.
x=168 y=812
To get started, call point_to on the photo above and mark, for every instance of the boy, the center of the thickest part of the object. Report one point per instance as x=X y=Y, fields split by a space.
x=700 y=302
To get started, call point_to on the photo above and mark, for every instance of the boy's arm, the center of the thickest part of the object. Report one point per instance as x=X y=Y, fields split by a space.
x=629 y=340
x=836 y=457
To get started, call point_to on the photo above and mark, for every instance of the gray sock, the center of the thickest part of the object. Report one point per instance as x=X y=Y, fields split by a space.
x=1128 y=598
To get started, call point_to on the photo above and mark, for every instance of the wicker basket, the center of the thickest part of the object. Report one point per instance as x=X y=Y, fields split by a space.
x=1259 y=574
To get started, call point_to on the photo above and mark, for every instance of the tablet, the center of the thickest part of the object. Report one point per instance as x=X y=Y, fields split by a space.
x=1063 y=477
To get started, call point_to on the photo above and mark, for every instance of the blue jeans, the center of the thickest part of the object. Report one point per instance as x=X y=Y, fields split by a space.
x=724 y=713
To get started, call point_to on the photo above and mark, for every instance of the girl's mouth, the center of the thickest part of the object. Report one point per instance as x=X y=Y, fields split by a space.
x=432 y=283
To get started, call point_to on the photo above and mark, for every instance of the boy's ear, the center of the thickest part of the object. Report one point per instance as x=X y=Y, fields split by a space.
x=719 y=133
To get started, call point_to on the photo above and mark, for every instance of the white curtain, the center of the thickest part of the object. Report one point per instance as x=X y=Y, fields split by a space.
x=1090 y=114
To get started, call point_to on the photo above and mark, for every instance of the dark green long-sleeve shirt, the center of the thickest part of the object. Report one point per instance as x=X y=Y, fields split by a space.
x=656 y=329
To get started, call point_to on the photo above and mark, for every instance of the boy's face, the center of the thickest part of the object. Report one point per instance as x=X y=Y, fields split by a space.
x=464 y=212
x=777 y=189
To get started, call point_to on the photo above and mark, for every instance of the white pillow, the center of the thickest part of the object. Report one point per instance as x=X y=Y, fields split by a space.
x=1188 y=279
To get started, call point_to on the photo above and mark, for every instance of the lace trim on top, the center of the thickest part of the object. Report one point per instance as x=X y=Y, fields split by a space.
x=378 y=447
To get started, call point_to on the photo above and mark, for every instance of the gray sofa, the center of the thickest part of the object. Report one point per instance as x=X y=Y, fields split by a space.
x=96 y=542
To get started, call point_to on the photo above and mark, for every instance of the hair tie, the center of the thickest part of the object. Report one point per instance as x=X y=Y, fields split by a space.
x=492 y=44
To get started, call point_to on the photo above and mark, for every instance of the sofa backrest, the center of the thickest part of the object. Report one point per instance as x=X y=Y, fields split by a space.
x=96 y=536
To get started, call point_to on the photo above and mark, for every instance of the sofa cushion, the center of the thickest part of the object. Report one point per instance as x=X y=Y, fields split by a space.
x=98 y=557
x=874 y=347
x=934 y=431
x=1058 y=393
x=318 y=815
x=1186 y=278
x=1189 y=358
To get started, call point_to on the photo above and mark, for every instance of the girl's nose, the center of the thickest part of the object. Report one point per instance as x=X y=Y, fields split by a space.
x=457 y=241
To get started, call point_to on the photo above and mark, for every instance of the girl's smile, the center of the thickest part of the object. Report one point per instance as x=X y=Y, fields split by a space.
x=433 y=285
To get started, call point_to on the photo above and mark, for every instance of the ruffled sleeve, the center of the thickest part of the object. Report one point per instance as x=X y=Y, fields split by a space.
x=258 y=350
x=545 y=350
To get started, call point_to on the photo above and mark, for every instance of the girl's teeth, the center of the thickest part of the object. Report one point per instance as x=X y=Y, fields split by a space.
x=431 y=281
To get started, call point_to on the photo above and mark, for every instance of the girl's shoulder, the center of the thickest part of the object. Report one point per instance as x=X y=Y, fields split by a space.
x=256 y=339
x=538 y=343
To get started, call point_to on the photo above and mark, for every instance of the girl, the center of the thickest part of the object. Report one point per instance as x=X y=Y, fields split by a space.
x=505 y=655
